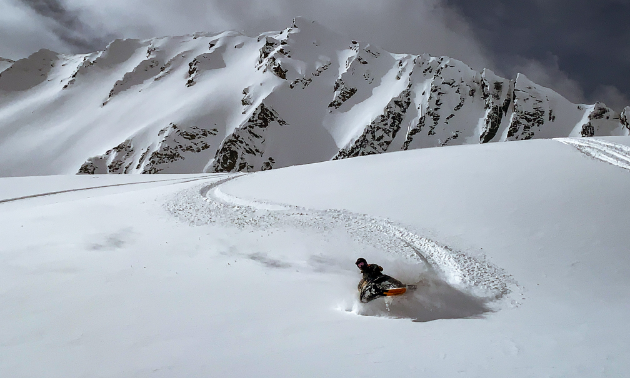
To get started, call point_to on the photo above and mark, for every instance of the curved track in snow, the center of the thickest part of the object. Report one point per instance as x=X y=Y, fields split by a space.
x=474 y=276
x=46 y=194
x=611 y=153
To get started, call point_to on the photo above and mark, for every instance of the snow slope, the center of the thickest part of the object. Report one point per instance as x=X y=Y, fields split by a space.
x=229 y=102
x=521 y=248
x=5 y=63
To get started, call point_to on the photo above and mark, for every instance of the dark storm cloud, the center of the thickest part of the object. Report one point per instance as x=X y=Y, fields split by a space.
x=580 y=48
x=67 y=25
x=402 y=26
x=588 y=41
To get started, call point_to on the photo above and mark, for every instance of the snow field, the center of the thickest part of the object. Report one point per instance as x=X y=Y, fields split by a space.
x=104 y=286
x=255 y=275
x=552 y=219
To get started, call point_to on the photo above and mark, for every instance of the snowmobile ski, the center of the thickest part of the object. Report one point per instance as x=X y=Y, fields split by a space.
x=382 y=286
x=396 y=291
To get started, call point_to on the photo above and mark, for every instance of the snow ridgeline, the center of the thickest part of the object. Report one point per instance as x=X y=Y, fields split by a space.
x=476 y=279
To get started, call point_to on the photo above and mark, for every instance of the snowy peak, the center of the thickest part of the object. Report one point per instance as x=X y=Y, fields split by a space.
x=228 y=102
x=543 y=113
x=28 y=72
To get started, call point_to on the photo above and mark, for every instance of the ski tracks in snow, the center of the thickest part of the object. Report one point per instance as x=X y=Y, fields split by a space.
x=472 y=275
x=611 y=153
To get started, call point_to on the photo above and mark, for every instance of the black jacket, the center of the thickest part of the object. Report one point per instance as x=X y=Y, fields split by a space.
x=371 y=271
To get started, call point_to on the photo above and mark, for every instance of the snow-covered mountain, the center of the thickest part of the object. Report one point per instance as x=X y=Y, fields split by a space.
x=229 y=102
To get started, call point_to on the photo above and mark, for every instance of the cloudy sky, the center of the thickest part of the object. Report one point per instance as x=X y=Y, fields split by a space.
x=580 y=48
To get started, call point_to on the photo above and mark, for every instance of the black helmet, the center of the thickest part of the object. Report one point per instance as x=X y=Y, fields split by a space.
x=361 y=262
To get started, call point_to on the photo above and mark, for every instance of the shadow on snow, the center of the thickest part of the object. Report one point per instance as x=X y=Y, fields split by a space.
x=434 y=299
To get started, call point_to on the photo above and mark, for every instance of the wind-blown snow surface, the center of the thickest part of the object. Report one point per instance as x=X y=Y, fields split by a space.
x=521 y=250
x=229 y=102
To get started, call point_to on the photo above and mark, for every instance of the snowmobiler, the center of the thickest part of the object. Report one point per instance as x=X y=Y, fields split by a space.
x=375 y=284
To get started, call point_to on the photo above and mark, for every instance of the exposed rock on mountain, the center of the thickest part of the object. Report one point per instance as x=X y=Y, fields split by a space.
x=239 y=103
x=625 y=118
x=380 y=133
x=497 y=95
x=174 y=145
x=244 y=149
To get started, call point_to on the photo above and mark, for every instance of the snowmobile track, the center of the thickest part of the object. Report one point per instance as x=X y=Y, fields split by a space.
x=179 y=181
x=611 y=153
x=207 y=204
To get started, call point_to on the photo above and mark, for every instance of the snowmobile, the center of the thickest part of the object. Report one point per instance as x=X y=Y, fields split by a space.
x=382 y=286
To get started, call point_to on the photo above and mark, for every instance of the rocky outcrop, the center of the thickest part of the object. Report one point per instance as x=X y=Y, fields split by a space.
x=625 y=118
x=496 y=93
x=117 y=160
x=205 y=62
x=357 y=77
x=380 y=133
x=244 y=149
x=447 y=98
x=174 y=144
x=600 y=112
x=271 y=53
x=529 y=112
x=342 y=94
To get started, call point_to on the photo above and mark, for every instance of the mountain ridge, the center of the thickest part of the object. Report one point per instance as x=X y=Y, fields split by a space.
x=229 y=102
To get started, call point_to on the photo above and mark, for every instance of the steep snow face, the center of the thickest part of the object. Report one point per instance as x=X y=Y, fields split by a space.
x=229 y=102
